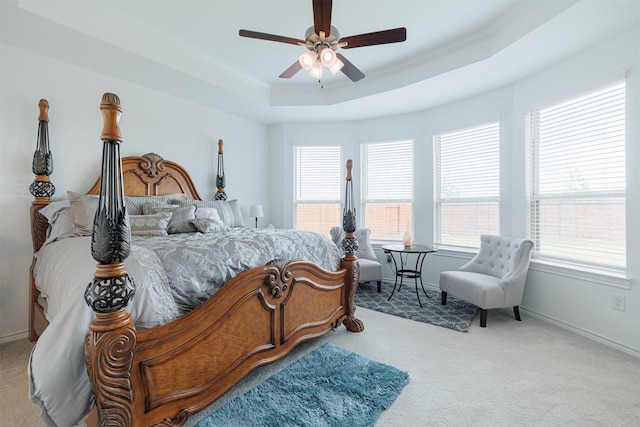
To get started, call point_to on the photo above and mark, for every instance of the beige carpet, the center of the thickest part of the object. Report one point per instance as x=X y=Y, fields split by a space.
x=528 y=373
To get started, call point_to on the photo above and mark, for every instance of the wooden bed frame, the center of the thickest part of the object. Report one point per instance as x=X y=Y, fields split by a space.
x=161 y=376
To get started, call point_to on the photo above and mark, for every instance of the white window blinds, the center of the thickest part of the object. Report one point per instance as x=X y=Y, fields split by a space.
x=318 y=182
x=387 y=188
x=467 y=181
x=576 y=179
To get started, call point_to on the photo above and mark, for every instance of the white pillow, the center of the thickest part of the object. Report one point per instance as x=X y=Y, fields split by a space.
x=60 y=220
x=52 y=210
x=207 y=213
x=83 y=209
x=229 y=210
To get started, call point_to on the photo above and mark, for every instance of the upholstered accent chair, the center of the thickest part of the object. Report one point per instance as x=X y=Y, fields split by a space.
x=370 y=268
x=494 y=278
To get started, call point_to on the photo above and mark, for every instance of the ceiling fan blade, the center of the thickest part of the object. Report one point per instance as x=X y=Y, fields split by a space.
x=350 y=70
x=322 y=16
x=270 y=37
x=394 y=35
x=289 y=72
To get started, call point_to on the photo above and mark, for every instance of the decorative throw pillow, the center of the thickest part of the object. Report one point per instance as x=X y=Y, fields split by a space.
x=207 y=225
x=83 y=210
x=135 y=204
x=150 y=225
x=229 y=211
x=180 y=220
x=208 y=213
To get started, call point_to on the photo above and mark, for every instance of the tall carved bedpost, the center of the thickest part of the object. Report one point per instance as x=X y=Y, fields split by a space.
x=41 y=187
x=112 y=335
x=350 y=245
x=220 y=181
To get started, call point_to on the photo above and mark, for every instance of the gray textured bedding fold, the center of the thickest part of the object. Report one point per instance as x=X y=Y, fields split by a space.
x=197 y=264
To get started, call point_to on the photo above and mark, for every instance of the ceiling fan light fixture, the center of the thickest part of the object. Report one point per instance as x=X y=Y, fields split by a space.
x=316 y=70
x=328 y=57
x=308 y=59
x=337 y=66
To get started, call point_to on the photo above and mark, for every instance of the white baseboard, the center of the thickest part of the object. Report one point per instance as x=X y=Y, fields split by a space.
x=14 y=337
x=603 y=340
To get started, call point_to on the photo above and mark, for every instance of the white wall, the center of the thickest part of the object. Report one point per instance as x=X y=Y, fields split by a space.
x=186 y=132
x=577 y=300
x=151 y=121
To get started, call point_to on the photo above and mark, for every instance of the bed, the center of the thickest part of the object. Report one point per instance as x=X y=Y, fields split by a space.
x=148 y=362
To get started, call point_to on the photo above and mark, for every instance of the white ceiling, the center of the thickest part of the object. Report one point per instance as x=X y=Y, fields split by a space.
x=191 y=49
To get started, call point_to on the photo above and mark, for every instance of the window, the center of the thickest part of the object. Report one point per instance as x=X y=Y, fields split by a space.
x=387 y=188
x=318 y=176
x=467 y=185
x=576 y=179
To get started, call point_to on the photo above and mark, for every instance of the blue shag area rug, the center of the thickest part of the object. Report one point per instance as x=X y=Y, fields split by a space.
x=330 y=386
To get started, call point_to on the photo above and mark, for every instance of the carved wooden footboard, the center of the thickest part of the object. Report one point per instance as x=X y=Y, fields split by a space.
x=161 y=376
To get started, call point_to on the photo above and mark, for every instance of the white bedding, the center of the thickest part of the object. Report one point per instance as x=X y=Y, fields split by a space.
x=58 y=379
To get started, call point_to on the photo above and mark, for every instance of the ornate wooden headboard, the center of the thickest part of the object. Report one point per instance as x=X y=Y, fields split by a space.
x=151 y=175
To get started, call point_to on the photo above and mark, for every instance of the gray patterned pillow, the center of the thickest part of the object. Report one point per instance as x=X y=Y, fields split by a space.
x=135 y=204
x=150 y=225
x=180 y=220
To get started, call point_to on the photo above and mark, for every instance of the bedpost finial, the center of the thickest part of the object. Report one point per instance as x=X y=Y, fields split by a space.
x=349 y=168
x=111 y=111
x=220 y=148
x=110 y=98
x=44 y=110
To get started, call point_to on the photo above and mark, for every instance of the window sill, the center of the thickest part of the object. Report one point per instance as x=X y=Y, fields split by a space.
x=602 y=277
x=574 y=271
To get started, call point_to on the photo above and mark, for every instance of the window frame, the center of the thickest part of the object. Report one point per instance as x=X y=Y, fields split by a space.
x=439 y=200
x=321 y=201
x=534 y=197
x=364 y=187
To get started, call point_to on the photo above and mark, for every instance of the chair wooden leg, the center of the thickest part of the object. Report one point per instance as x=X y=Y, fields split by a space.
x=483 y=318
x=379 y=286
x=443 y=298
x=516 y=312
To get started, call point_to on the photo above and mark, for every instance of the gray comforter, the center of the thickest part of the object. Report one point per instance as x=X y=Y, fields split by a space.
x=197 y=264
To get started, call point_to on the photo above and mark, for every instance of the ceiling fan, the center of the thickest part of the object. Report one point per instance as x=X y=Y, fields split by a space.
x=322 y=40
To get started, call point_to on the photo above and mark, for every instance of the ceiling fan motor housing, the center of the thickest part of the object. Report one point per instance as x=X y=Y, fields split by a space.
x=316 y=42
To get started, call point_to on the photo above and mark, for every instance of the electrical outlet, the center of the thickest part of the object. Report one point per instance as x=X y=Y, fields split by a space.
x=389 y=259
x=618 y=302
